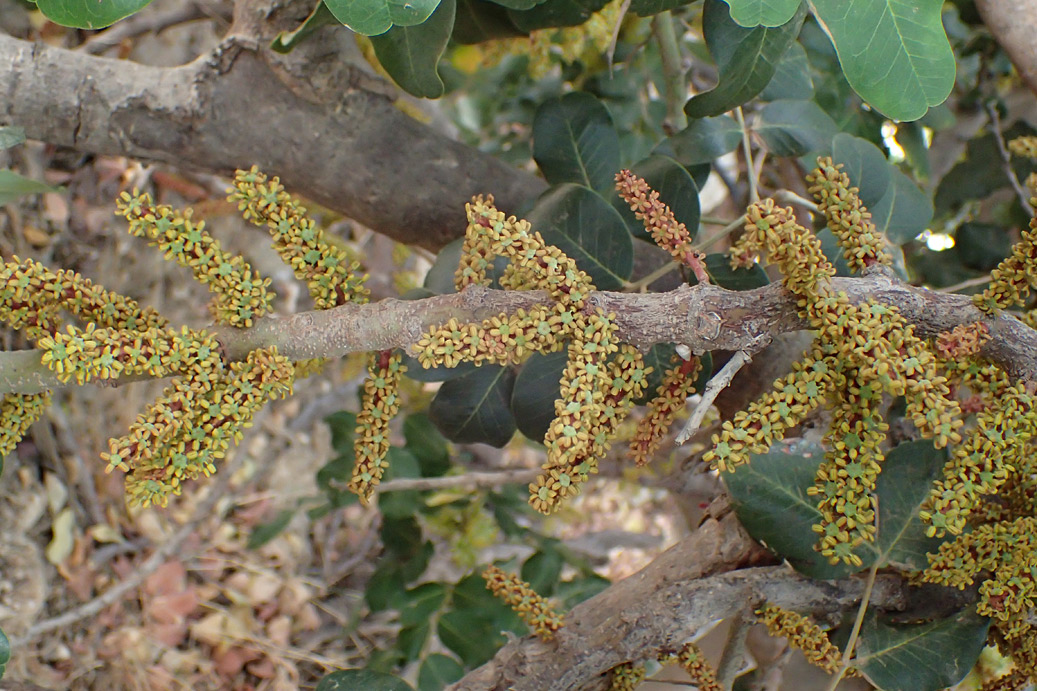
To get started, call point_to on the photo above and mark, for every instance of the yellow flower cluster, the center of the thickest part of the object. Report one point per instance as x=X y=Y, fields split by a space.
x=380 y=405
x=627 y=676
x=702 y=674
x=802 y=634
x=520 y=596
x=18 y=411
x=1011 y=281
x=671 y=395
x=241 y=293
x=194 y=423
x=848 y=219
x=328 y=271
x=660 y=222
x=963 y=341
x=1024 y=146
x=504 y=339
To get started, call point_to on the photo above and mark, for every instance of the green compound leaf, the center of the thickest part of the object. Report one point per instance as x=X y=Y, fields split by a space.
x=770 y=497
x=920 y=657
x=676 y=188
x=791 y=78
x=574 y=140
x=894 y=53
x=898 y=208
x=536 y=389
x=745 y=58
x=794 y=128
x=555 y=13
x=750 y=13
x=587 y=228
x=438 y=671
x=373 y=17
x=89 y=14
x=410 y=54
x=473 y=408
x=705 y=139
x=13 y=186
x=11 y=136
x=369 y=680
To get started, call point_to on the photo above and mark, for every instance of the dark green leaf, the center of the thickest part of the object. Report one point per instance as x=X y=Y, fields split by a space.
x=422 y=602
x=980 y=171
x=11 y=136
x=477 y=21
x=373 y=17
x=470 y=635
x=920 y=657
x=343 y=426
x=402 y=464
x=368 y=680
x=265 y=532
x=519 y=4
x=981 y=246
x=834 y=251
x=555 y=13
x=427 y=445
x=410 y=641
x=719 y=267
x=536 y=389
x=745 y=58
x=646 y=8
x=89 y=14
x=588 y=229
x=676 y=188
x=904 y=211
x=791 y=78
x=386 y=587
x=794 y=128
x=437 y=672
x=13 y=186
x=318 y=19
x=474 y=408
x=750 y=13
x=770 y=497
x=865 y=165
x=572 y=593
x=894 y=53
x=410 y=54
x=706 y=139
x=574 y=140
x=339 y=469
x=542 y=571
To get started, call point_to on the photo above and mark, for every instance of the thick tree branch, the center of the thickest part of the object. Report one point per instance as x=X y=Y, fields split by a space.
x=345 y=146
x=1014 y=24
x=655 y=611
x=704 y=318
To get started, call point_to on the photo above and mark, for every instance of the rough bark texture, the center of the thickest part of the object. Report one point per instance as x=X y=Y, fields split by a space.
x=658 y=609
x=1014 y=24
x=336 y=137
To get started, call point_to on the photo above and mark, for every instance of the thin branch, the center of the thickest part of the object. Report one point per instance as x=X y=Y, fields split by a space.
x=150 y=22
x=722 y=233
x=790 y=197
x=1006 y=159
x=673 y=69
x=610 y=53
x=970 y=283
x=747 y=150
x=718 y=383
x=468 y=481
x=855 y=632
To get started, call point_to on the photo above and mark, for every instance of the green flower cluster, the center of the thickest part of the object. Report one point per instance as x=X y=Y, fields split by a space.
x=1011 y=281
x=848 y=219
x=536 y=611
x=380 y=405
x=627 y=676
x=18 y=411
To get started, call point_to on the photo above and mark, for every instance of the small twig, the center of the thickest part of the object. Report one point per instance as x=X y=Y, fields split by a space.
x=718 y=383
x=733 y=658
x=791 y=197
x=673 y=71
x=971 y=283
x=144 y=23
x=723 y=232
x=747 y=149
x=610 y=53
x=468 y=481
x=855 y=632
x=641 y=284
x=1006 y=158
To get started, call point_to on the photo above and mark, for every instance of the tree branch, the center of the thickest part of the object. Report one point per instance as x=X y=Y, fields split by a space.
x=336 y=138
x=703 y=317
x=1014 y=24
x=655 y=611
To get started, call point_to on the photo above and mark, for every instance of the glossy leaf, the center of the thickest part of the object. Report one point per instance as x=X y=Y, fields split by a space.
x=555 y=13
x=542 y=571
x=572 y=593
x=791 y=77
x=646 y=8
x=422 y=602
x=705 y=139
x=265 y=532
x=719 y=267
x=574 y=140
x=11 y=136
x=89 y=14
x=676 y=188
x=343 y=426
x=472 y=628
x=794 y=128
x=427 y=445
x=410 y=54
x=402 y=464
x=894 y=53
x=480 y=20
x=373 y=17
x=13 y=186
x=587 y=228
x=410 y=642
x=920 y=657
x=438 y=671
x=474 y=408
x=320 y=17
x=865 y=165
x=369 y=680
x=745 y=58
x=535 y=392
x=770 y=497
x=518 y=4
x=750 y=13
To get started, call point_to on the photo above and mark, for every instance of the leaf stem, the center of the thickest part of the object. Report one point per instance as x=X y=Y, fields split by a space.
x=855 y=632
x=747 y=149
x=673 y=71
